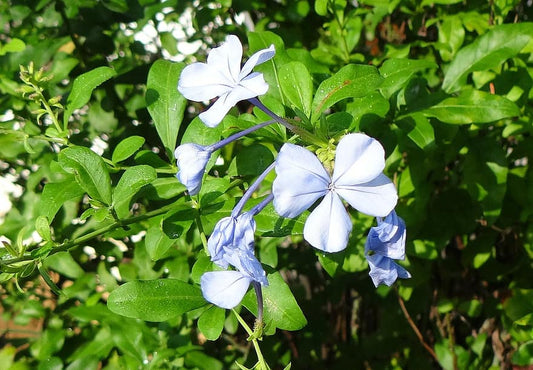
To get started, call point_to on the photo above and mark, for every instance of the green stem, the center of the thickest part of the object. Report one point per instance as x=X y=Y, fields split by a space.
x=65 y=246
x=260 y=359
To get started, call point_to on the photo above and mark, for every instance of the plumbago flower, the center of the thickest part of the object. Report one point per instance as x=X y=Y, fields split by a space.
x=357 y=178
x=232 y=244
x=384 y=244
x=192 y=158
x=223 y=77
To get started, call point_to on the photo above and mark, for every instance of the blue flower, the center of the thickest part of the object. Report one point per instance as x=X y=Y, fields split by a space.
x=384 y=244
x=357 y=178
x=223 y=77
x=192 y=159
x=232 y=244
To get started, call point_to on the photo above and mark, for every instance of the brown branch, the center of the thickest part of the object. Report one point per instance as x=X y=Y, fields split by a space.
x=415 y=328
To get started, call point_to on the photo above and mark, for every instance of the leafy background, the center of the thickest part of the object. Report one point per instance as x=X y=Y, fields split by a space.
x=90 y=201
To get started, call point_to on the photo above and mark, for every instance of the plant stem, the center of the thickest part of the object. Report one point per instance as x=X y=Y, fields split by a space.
x=260 y=358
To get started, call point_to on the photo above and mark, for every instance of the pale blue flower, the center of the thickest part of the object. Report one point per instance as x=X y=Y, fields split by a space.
x=357 y=178
x=386 y=243
x=192 y=158
x=223 y=77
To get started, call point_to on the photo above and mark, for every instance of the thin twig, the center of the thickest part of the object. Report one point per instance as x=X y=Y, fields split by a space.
x=415 y=328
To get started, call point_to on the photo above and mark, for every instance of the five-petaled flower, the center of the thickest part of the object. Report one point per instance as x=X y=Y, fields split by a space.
x=357 y=178
x=223 y=77
x=384 y=244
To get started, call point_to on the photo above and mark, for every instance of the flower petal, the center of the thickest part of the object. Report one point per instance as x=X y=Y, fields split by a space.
x=227 y=58
x=359 y=159
x=301 y=180
x=375 y=198
x=191 y=159
x=328 y=226
x=255 y=83
x=200 y=82
x=257 y=58
x=224 y=288
x=217 y=111
x=384 y=270
x=246 y=263
x=388 y=238
x=221 y=237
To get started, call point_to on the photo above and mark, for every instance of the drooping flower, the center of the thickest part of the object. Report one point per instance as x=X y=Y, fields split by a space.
x=223 y=77
x=357 y=178
x=232 y=244
x=384 y=244
x=192 y=158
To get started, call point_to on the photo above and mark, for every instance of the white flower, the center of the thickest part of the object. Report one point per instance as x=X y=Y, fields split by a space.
x=192 y=160
x=223 y=77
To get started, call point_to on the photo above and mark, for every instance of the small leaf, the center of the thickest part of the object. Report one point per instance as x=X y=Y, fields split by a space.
x=126 y=148
x=165 y=104
x=83 y=87
x=89 y=171
x=131 y=181
x=157 y=243
x=473 y=106
x=351 y=81
x=297 y=85
x=488 y=51
x=418 y=129
x=155 y=300
x=42 y=226
x=280 y=308
x=397 y=72
x=211 y=322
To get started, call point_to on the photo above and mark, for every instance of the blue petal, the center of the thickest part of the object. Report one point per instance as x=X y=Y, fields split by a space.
x=246 y=262
x=375 y=198
x=224 y=288
x=192 y=160
x=358 y=159
x=301 y=180
x=222 y=236
x=384 y=270
x=328 y=226
x=388 y=238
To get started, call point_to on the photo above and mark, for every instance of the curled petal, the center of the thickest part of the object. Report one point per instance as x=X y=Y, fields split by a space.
x=222 y=236
x=388 y=238
x=192 y=160
x=328 y=226
x=257 y=58
x=358 y=159
x=384 y=270
x=224 y=288
x=227 y=57
x=301 y=180
x=375 y=198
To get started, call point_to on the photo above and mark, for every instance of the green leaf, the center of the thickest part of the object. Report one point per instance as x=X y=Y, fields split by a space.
x=211 y=322
x=157 y=243
x=165 y=104
x=126 y=148
x=473 y=106
x=351 y=81
x=89 y=170
x=280 y=308
x=13 y=46
x=83 y=87
x=397 y=72
x=131 y=181
x=155 y=300
x=42 y=226
x=270 y=224
x=488 y=51
x=63 y=263
x=418 y=129
x=262 y=40
x=297 y=86
x=164 y=188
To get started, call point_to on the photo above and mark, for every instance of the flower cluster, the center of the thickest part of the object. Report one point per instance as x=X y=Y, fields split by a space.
x=301 y=180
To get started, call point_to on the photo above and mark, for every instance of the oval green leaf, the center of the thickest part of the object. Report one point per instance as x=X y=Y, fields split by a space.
x=155 y=300
x=297 y=85
x=126 y=148
x=131 y=181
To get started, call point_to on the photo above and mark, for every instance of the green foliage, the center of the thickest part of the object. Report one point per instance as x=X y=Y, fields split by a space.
x=102 y=249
